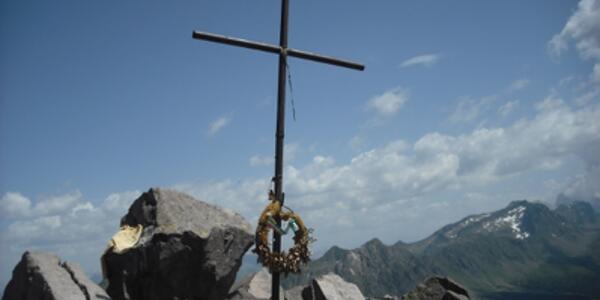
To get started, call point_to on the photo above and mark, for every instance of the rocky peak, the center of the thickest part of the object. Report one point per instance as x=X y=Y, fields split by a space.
x=168 y=211
x=374 y=243
x=188 y=249
x=41 y=275
x=577 y=211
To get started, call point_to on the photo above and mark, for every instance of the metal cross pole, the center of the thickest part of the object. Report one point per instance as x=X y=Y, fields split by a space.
x=283 y=52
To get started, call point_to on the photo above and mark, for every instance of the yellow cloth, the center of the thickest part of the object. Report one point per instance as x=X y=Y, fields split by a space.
x=125 y=238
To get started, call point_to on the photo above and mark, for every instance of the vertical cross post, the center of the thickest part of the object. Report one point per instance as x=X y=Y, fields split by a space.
x=279 y=136
x=283 y=52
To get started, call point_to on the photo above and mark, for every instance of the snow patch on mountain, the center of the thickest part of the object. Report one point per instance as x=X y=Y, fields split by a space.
x=453 y=233
x=512 y=219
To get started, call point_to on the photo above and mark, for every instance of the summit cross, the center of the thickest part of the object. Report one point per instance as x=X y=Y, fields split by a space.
x=283 y=52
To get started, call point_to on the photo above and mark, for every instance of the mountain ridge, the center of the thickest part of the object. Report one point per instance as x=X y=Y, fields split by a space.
x=522 y=248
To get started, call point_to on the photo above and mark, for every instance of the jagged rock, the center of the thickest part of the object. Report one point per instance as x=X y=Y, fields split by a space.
x=188 y=249
x=42 y=275
x=254 y=287
x=438 y=288
x=331 y=287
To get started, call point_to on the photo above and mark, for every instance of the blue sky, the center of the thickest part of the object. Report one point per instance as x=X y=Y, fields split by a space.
x=463 y=107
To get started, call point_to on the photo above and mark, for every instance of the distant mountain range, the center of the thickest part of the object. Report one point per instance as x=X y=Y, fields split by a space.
x=524 y=251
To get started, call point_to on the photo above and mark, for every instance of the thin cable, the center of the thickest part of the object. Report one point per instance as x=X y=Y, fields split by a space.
x=289 y=75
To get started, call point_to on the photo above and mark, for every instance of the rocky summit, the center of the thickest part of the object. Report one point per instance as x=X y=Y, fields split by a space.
x=41 y=275
x=188 y=249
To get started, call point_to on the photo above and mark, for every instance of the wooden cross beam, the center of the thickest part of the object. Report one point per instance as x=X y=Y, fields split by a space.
x=283 y=52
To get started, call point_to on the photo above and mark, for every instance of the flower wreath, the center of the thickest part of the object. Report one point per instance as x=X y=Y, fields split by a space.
x=298 y=255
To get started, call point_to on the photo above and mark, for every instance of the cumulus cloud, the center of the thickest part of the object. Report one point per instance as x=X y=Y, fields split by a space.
x=518 y=85
x=57 y=204
x=14 y=205
x=412 y=185
x=402 y=182
x=65 y=224
x=437 y=161
x=258 y=160
x=508 y=107
x=390 y=102
x=68 y=217
x=583 y=28
x=584 y=187
x=217 y=125
x=468 y=109
x=426 y=60
x=290 y=151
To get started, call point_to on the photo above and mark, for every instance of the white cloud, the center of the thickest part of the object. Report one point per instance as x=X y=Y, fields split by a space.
x=596 y=73
x=217 y=125
x=583 y=27
x=417 y=185
x=65 y=224
x=585 y=187
x=588 y=96
x=290 y=151
x=469 y=109
x=508 y=107
x=427 y=60
x=118 y=203
x=38 y=228
x=57 y=204
x=518 y=85
x=14 y=205
x=390 y=102
x=258 y=160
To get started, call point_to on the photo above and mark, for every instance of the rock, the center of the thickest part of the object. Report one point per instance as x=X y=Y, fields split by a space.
x=331 y=287
x=188 y=249
x=255 y=287
x=437 y=288
x=41 y=275
x=294 y=293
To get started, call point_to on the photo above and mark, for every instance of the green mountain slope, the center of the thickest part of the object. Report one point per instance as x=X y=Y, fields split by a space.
x=523 y=249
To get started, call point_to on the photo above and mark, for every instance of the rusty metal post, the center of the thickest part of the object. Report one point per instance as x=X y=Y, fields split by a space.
x=279 y=135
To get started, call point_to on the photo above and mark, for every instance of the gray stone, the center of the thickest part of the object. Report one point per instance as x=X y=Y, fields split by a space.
x=438 y=288
x=188 y=249
x=331 y=287
x=41 y=275
x=254 y=287
x=294 y=293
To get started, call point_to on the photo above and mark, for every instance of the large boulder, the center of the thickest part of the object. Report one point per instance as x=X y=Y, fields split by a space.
x=438 y=288
x=42 y=275
x=331 y=287
x=188 y=249
x=255 y=287
x=294 y=293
